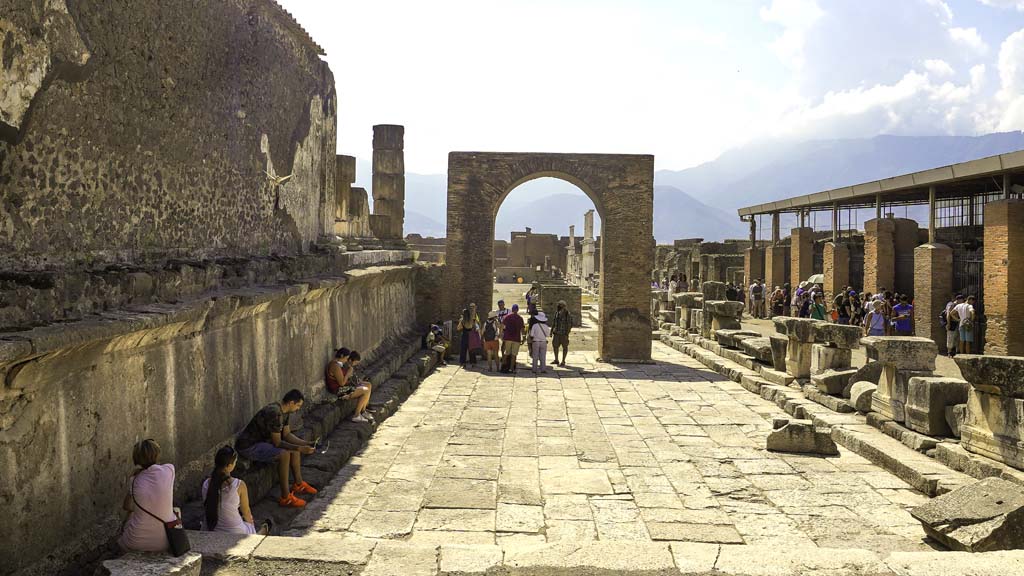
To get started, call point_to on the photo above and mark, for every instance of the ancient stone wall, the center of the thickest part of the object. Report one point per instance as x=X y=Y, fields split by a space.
x=190 y=375
x=145 y=129
x=1004 y=273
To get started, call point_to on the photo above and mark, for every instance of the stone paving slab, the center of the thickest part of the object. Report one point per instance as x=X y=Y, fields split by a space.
x=666 y=453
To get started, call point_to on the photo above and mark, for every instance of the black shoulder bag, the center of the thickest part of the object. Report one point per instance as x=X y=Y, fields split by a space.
x=177 y=538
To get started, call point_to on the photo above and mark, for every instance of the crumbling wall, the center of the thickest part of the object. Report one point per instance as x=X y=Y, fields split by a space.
x=144 y=129
x=77 y=396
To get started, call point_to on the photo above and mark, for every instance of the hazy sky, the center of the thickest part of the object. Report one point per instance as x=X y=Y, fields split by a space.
x=681 y=79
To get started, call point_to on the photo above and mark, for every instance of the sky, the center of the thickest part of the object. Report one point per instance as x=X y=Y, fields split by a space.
x=684 y=80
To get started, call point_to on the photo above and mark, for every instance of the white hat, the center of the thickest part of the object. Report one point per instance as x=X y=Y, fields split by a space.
x=541 y=317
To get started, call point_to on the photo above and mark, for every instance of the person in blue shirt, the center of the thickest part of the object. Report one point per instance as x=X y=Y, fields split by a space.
x=903 y=317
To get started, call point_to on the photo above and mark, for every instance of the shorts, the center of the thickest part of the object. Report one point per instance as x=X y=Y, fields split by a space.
x=560 y=340
x=512 y=348
x=952 y=339
x=491 y=345
x=439 y=348
x=966 y=335
x=261 y=452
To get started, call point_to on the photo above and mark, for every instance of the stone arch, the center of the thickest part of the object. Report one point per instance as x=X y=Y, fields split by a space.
x=622 y=189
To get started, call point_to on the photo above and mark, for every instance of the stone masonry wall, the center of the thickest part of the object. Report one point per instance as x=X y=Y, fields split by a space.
x=138 y=130
x=1004 y=275
x=77 y=396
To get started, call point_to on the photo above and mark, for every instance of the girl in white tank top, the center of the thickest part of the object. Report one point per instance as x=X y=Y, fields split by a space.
x=227 y=509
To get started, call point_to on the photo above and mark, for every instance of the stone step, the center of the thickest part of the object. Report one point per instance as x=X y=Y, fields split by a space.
x=141 y=564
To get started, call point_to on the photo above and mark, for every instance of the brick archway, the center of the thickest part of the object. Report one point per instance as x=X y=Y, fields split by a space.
x=622 y=189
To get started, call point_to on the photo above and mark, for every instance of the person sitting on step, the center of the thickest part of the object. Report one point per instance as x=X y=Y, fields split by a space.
x=268 y=438
x=337 y=381
x=361 y=388
x=227 y=509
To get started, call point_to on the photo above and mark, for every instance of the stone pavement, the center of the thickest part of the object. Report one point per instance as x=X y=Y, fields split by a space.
x=665 y=452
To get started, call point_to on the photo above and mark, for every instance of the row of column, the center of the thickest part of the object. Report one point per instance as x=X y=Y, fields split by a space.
x=896 y=259
x=580 y=267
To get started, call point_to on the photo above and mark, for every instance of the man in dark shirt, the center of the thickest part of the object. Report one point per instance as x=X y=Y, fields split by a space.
x=268 y=438
x=512 y=336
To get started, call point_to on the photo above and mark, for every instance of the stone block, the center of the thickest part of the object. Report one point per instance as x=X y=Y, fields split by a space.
x=800 y=329
x=994 y=427
x=798 y=359
x=689 y=299
x=860 y=395
x=927 y=399
x=590 y=558
x=141 y=564
x=712 y=290
x=980 y=517
x=780 y=324
x=832 y=381
x=870 y=372
x=1002 y=375
x=760 y=348
x=839 y=335
x=890 y=399
x=779 y=343
x=222 y=545
x=830 y=357
x=728 y=337
x=955 y=416
x=800 y=437
x=903 y=352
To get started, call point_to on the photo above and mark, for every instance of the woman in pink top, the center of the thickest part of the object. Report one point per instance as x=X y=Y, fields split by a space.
x=151 y=489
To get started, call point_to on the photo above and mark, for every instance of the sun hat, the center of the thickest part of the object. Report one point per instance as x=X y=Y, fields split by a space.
x=492 y=314
x=541 y=317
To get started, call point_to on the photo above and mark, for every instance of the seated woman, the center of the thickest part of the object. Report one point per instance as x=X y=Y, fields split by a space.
x=149 y=501
x=337 y=375
x=436 y=342
x=227 y=509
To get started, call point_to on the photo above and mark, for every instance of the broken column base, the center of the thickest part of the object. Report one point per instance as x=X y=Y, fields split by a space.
x=830 y=357
x=833 y=382
x=980 y=517
x=893 y=387
x=927 y=399
x=860 y=395
x=800 y=437
x=994 y=428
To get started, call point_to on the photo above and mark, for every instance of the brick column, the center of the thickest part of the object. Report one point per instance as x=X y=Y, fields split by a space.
x=933 y=288
x=1003 y=275
x=879 y=254
x=801 y=255
x=776 y=265
x=836 y=264
x=906 y=238
x=389 y=179
x=753 y=265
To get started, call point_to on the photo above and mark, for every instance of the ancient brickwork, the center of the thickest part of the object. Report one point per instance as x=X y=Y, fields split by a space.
x=1004 y=276
x=801 y=255
x=836 y=263
x=154 y=133
x=622 y=189
x=933 y=288
x=753 y=265
x=776 y=266
x=879 y=254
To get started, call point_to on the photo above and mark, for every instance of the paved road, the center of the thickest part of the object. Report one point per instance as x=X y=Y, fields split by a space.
x=641 y=452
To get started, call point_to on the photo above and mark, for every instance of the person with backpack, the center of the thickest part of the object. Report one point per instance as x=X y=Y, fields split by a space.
x=491 y=331
x=964 y=314
x=560 y=329
x=951 y=325
x=756 y=298
x=511 y=337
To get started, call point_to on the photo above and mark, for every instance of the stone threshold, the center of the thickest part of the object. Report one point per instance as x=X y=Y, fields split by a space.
x=850 y=430
x=355 y=555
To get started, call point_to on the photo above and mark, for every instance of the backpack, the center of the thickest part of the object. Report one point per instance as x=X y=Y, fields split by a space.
x=490 y=332
x=942 y=318
x=756 y=290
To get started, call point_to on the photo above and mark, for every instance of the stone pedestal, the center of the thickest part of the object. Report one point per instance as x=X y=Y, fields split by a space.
x=801 y=334
x=724 y=315
x=829 y=357
x=902 y=358
x=994 y=425
x=927 y=399
x=834 y=350
x=779 y=343
x=686 y=303
x=933 y=288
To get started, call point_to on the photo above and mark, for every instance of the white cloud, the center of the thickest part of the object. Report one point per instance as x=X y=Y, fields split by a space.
x=1018 y=4
x=796 y=17
x=938 y=68
x=969 y=38
x=1011 y=76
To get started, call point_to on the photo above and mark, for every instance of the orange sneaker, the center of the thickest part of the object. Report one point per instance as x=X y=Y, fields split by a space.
x=303 y=488
x=290 y=501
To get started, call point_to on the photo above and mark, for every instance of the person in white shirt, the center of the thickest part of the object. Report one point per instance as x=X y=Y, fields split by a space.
x=963 y=313
x=539 y=335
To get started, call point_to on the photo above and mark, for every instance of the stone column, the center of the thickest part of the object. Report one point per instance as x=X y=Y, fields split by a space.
x=902 y=358
x=833 y=353
x=389 y=180
x=933 y=288
x=801 y=255
x=570 y=257
x=1004 y=273
x=588 y=245
x=753 y=265
x=906 y=239
x=879 y=254
x=836 y=264
x=776 y=266
x=344 y=177
x=993 y=426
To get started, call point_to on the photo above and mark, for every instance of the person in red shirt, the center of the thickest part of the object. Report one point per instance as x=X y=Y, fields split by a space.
x=512 y=336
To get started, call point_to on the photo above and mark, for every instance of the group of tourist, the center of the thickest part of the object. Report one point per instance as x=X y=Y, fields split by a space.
x=267 y=438
x=499 y=337
x=676 y=283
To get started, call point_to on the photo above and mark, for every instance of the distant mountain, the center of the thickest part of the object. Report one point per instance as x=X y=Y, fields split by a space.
x=768 y=171
x=701 y=202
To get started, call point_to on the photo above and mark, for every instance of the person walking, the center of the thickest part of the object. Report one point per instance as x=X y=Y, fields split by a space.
x=512 y=338
x=539 y=342
x=560 y=328
x=874 y=324
x=948 y=321
x=468 y=337
x=683 y=285
x=490 y=333
x=903 y=317
x=965 y=317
